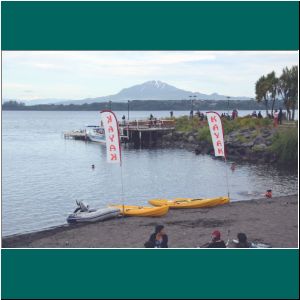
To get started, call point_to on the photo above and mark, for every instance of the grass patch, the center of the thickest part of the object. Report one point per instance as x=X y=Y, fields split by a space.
x=185 y=124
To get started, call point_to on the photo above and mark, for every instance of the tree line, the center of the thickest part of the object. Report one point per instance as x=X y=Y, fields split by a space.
x=269 y=87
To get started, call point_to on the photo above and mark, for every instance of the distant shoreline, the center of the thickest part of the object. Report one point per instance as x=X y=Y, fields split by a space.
x=270 y=221
x=145 y=105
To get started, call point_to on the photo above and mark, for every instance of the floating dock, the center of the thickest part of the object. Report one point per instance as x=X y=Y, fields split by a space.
x=76 y=135
x=138 y=132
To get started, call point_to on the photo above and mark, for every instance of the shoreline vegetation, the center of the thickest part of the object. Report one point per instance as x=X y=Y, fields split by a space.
x=246 y=139
x=270 y=221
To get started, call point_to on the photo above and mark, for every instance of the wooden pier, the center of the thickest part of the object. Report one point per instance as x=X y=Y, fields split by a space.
x=141 y=133
x=145 y=133
x=76 y=135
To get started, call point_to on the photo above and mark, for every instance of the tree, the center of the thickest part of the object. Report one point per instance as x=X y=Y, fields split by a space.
x=12 y=105
x=288 y=88
x=294 y=89
x=272 y=82
x=262 y=88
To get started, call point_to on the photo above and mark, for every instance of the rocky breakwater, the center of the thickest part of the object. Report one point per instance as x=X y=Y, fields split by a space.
x=251 y=145
x=246 y=144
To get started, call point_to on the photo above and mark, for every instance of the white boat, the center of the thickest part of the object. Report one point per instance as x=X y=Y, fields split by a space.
x=84 y=214
x=96 y=134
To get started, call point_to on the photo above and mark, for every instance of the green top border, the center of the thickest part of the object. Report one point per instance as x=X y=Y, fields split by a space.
x=150 y=25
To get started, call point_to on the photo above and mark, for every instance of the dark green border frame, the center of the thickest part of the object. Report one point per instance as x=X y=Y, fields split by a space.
x=150 y=273
x=167 y=274
x=150 y=25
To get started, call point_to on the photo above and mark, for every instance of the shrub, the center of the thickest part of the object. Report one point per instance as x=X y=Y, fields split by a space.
x=186 y=124
x=204 y=134
x=285 y=145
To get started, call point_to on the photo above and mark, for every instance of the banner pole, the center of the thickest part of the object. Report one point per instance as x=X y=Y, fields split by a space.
x=122 y=190
x=227 y=181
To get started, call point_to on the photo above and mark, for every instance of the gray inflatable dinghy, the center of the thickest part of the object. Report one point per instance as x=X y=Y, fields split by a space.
x=84 y=214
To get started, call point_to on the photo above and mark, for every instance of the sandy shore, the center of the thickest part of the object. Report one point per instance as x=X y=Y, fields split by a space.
x=271 y=221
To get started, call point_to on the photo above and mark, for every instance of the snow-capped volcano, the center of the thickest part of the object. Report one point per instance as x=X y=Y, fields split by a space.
x=152 y=90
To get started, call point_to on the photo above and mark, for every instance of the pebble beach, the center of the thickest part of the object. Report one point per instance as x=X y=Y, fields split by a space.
x=270 y=221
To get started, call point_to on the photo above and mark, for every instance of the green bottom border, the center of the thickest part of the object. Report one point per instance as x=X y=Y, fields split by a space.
x=95 y=273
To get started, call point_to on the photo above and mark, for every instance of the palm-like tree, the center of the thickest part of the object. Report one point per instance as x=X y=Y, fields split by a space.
x=262 y=91
x=272 y=82
x=285 y=83
x=269 y=86
x=294 y=89
x=284 y=90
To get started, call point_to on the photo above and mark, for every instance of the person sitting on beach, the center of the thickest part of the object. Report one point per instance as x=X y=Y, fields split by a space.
x=216 y=241
x=242 y=241
x=158 y=239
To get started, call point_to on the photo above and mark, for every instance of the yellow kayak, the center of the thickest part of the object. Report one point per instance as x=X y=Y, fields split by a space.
x=143 y=211
x=189 y=202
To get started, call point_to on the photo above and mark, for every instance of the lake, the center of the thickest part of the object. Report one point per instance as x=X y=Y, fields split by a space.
x=43 y=174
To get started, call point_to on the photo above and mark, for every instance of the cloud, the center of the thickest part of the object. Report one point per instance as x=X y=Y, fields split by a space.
x=76 y=74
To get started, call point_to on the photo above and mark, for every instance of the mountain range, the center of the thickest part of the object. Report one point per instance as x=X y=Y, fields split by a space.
x=150 y=90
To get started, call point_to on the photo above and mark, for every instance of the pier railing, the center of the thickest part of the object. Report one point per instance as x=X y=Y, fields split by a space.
x=146 y=124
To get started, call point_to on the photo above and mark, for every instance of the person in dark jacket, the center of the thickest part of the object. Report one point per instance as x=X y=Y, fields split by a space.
x=216 y=241
x=259 y=116
x=242 y=241
x=280 y=115
x=158 y=239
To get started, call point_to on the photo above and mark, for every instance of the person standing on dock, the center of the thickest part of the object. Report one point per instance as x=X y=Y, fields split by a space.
x=171 y=114
x=151 y=120
x=123 y=120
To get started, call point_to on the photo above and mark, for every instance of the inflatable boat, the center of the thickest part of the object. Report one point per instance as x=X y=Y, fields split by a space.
x=84 y=214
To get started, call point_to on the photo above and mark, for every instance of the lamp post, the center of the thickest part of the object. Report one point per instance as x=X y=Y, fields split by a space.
x=228 y=105
x=128 y=110
x=110 y=104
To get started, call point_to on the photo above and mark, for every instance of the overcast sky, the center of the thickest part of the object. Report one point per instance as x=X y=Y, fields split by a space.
x=82 y=74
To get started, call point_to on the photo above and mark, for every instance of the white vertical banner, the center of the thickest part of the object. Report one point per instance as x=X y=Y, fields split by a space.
x=216 y=131
x=112 y=136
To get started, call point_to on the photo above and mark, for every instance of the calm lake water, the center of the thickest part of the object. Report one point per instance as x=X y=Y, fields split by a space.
x=43 y=174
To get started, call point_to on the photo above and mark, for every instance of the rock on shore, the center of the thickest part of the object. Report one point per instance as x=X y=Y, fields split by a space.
x=244 y=144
